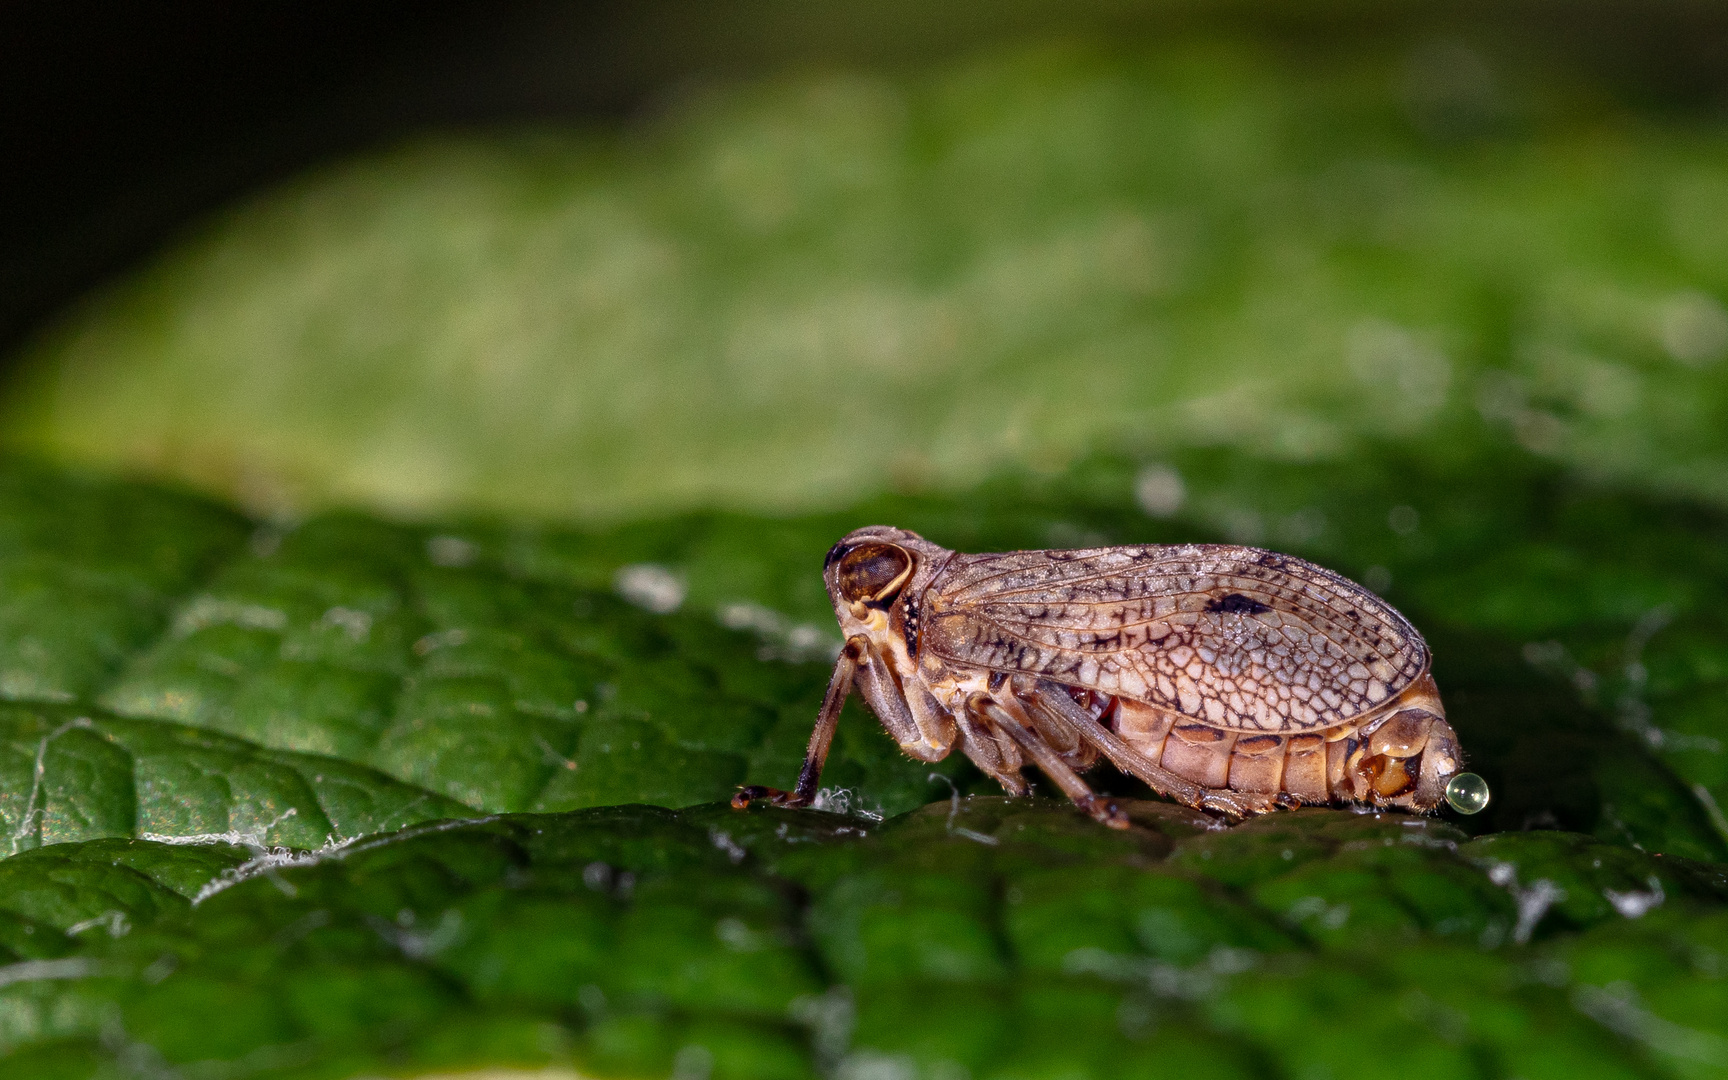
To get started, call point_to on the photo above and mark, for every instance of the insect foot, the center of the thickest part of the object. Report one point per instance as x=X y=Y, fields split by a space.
x=773 y=796
x=1104 y=811
x=1231 y=679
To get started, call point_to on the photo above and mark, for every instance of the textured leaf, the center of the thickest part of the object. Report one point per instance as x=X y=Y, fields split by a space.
x=351 y=676
x=991 y=936
x=207 y=854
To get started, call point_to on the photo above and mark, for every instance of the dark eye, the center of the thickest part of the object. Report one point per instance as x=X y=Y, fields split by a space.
x=873 y=572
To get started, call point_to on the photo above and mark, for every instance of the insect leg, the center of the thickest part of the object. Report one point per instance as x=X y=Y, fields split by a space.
x=998 y=759
x=1051 y=696
x=855 y=651
x=1104 y=810
x=923 y=728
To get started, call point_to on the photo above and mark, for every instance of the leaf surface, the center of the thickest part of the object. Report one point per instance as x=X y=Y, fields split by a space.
x=210 y=827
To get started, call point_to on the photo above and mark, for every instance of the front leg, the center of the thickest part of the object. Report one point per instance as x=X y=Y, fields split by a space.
x=852 y=654
x=923 y=729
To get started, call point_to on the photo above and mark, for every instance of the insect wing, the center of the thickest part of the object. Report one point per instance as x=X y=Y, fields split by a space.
x=1235 y=637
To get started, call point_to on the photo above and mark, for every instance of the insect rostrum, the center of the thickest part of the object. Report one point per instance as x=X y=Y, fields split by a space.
x=1228 y=678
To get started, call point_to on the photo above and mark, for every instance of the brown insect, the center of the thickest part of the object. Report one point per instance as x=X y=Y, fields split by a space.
x=1228 y=678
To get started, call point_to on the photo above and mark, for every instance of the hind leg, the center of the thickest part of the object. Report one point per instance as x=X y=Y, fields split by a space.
x=1234 y=804
x=987 y=709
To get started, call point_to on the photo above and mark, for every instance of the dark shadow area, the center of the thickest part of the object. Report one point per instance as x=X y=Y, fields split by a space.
x=1552 y=760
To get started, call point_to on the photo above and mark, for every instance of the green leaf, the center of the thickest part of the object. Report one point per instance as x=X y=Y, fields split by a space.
x=89 y=569
x=225 y=847
x=236 y=845
x=621 y=937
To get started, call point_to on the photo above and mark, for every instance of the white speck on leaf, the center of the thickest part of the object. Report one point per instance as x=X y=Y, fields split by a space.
x=1634 y=904
x=450 y=551
x=651 y=587
x=1159 y=491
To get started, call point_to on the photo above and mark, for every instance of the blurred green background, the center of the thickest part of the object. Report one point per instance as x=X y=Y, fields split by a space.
x=1119 y=229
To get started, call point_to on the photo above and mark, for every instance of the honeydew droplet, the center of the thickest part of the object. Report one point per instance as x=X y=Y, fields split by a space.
x=1467 y=793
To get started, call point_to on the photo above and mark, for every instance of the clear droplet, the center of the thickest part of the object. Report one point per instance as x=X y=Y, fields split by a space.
x=1467 y=793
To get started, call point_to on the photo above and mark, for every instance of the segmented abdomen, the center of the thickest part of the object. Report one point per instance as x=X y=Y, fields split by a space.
x=1374 y=759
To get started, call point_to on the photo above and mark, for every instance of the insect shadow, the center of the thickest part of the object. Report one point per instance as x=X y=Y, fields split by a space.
x=1555 y=761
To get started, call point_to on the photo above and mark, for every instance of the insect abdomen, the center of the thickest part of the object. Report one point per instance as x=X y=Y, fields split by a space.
x=1376 y=759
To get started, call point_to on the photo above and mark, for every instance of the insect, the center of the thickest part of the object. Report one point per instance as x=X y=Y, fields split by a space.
x=1228 y=678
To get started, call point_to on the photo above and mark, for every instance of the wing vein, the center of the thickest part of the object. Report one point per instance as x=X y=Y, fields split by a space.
x=1332 y=651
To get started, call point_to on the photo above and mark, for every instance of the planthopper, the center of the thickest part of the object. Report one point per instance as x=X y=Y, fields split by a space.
x=1228 y=678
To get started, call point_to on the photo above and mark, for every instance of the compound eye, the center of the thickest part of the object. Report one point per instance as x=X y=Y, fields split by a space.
x=873 y=572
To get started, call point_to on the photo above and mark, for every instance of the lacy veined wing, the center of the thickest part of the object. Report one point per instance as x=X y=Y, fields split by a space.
x=1236 y=637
